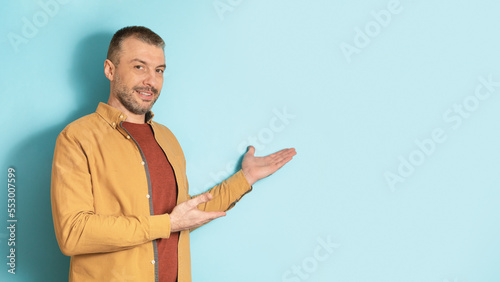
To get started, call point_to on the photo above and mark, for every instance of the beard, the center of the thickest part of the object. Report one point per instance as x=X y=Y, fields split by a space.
x=127 y=97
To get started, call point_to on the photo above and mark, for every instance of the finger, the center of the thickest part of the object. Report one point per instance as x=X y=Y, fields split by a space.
x=209 y=216
x=284 y=158
x=290 y=152
x=213 y=215
x=201 y=199
x=285 y=154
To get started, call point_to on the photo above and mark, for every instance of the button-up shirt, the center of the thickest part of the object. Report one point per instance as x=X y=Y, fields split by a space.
x=101 y=204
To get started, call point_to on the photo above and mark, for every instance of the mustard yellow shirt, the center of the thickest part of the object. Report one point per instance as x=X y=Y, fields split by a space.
x=101 y=204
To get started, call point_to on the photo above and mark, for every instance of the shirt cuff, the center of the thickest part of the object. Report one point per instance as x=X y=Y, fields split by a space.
x=159 y=226
x=239 y=180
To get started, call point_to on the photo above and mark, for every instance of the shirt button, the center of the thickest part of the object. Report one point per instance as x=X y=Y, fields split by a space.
x=148 y=196
x=142 y=163
x=114 y=123
x=121 y=116
x=153 y=262
x=128 y=136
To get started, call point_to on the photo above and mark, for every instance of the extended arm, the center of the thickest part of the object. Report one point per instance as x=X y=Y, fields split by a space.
x=209 y=206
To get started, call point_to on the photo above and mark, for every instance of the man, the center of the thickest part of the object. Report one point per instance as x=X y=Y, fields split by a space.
x=119 y=192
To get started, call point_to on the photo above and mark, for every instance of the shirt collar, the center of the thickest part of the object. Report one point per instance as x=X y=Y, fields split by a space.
x=114 y=117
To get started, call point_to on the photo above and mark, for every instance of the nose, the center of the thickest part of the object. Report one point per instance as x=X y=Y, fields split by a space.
x=150 y=79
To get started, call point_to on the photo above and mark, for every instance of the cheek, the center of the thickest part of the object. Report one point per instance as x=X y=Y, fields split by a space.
x=133 y=82
x=160 y=84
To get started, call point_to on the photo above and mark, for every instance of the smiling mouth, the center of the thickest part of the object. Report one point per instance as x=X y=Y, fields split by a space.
x=145 y=95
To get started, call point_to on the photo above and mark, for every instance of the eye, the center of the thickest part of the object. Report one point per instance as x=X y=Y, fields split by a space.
x=160 y=71
x=139 y=67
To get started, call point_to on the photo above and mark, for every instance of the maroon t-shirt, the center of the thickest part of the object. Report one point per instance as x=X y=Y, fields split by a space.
x=164 y=194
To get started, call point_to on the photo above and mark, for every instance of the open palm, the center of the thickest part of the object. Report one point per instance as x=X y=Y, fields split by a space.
x=255 y=168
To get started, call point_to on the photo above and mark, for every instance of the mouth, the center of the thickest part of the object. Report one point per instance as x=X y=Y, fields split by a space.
x=145 y=95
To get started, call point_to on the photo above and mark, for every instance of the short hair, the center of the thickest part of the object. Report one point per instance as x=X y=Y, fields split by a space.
x=142 y=33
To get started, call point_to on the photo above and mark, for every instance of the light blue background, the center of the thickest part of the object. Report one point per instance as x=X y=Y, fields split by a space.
x=353 y=118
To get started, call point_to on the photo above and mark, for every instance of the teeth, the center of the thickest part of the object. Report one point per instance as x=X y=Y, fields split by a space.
x=147 y=94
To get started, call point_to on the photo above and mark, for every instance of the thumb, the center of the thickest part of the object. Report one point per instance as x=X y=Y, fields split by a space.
x=251 y=150
x=201 y=199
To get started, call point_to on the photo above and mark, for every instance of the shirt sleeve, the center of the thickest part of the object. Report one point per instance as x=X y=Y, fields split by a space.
x=79 y=230
x=228 y=193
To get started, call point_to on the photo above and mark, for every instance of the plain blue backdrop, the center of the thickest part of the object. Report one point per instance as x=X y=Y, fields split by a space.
x=392 y=106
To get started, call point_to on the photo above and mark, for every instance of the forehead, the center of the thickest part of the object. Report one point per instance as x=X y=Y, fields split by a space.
x=132 y=48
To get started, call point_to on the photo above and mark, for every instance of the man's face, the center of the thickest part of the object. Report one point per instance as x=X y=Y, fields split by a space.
x=138 y=77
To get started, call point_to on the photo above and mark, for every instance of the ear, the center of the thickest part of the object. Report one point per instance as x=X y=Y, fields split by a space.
x=109 y=69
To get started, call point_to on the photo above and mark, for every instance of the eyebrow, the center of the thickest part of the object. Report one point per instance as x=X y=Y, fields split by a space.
x=144 y=63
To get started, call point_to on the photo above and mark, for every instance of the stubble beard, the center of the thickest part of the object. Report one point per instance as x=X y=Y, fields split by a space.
x=126 y=96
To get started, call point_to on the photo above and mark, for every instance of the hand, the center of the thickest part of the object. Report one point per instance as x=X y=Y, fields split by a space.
x=256 y=168
x=186 y=215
